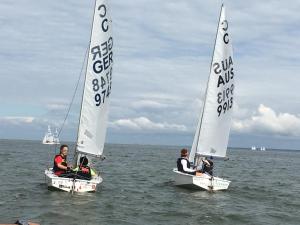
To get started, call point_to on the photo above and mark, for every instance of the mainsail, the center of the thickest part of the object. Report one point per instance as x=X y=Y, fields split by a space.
x=97 y=87
x=212 y=133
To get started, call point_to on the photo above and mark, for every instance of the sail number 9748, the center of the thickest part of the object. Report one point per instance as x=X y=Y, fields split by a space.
x=102 y=87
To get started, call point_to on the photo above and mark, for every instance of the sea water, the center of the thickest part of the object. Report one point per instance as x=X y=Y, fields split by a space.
x=138 y=188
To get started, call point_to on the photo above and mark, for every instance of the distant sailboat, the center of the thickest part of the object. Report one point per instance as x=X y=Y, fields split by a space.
x=212 y=133
x=263 y=148
x=56 y=139
x=253 y=148
x=50 y=138
x=95 y=101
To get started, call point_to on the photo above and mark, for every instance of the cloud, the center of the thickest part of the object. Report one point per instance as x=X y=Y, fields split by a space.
x=144 y=124
x=267 y=121
x=16 y=120
x=161 y=61
x=148 y=104
x=57 y=106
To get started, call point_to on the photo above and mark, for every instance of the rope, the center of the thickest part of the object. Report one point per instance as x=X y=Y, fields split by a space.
x=73 y=97
x=69 y=108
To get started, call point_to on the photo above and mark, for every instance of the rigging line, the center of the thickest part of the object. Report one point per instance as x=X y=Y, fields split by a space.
x=73 y=97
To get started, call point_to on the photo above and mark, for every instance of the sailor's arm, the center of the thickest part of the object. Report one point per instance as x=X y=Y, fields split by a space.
x=184 y=166
x=60 y=166
x=205 y=162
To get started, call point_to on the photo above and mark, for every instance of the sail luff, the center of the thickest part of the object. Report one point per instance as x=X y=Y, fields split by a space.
x=216 y=115
x=97 y=86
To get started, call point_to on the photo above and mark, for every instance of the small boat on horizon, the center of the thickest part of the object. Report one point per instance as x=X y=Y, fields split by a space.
x=50 y=138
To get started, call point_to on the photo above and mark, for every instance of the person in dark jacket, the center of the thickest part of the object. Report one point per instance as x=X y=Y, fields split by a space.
x=207 y=166
x=183 y=164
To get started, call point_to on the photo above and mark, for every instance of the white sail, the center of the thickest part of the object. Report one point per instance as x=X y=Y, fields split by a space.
x=55 y=137
x=97 y=87
x=213 y=129
x=48 y=138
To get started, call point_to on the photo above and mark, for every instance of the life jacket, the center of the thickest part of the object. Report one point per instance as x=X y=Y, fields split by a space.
x=56 y=169
x=179 y=165
x=85 y=169
x=83 y=172
x=208 y=169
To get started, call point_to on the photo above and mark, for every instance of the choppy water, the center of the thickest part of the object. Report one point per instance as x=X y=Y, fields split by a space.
x=138 y=189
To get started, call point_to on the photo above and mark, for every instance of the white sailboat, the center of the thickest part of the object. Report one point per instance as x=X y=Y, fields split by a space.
x=50 y=138
x=56 y=138
x=212 y=133
x=263 y=148
x=95 y=101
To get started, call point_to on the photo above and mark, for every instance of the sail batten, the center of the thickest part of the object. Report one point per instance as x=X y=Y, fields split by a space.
x=212 y=133
x=97 y=86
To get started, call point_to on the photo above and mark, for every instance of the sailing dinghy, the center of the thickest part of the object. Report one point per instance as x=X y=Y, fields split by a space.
x=212 y=133
x=95 y=102
x=51 y=139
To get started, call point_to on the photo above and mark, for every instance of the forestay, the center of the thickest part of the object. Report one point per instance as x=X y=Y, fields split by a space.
x=212 y=133
x=97 y=87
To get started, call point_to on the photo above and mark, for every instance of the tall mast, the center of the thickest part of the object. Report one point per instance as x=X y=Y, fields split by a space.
x=207 y=85
x=88 y=55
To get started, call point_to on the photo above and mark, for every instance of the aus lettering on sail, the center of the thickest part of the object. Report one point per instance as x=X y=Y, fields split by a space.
x=102 y=59
x=223 y=68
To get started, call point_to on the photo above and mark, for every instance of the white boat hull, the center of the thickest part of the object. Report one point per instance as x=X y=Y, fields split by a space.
x=203 y=181
x=70 y=184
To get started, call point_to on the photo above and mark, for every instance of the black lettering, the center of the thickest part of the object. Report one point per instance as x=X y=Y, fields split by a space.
x=97 y=66
x=104 y=48
x=220 y=81
x=110 y=43
x=227 y=92
x=219 y=97
x=110 y=57
x=225 y=67
x=227 y=76
x=217 y=68
x=105 y=25
x=106 y=62
x=225 y=23
x=225 y=38
x=96 y=51
x=230 y=61
x=232 y=74
x=232 y=88
x=104 y=10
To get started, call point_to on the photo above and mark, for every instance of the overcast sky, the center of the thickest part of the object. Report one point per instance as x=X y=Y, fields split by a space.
x=162 y=55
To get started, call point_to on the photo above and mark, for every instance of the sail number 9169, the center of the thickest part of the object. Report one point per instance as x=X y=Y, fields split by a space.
x=225 y=106
x=225 y=100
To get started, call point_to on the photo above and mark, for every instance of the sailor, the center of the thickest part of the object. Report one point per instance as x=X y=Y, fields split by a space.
x=60 y=166
x=207 y=166
x=183 y=164
x=83 y=171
